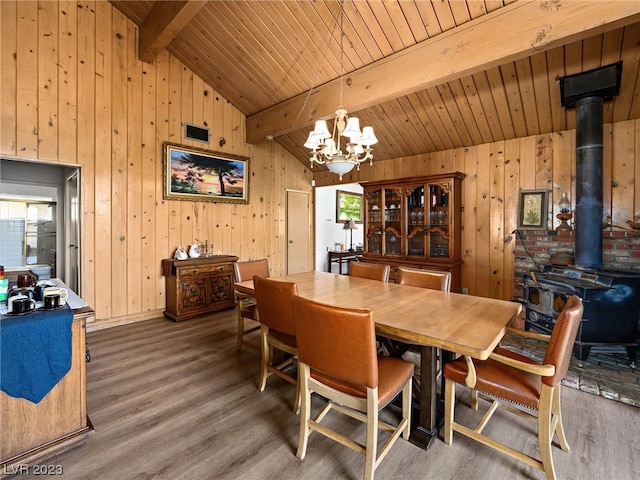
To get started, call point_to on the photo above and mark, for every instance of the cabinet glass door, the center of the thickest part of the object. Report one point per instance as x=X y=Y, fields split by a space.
x=416 y=230
x=375 y=213
x=392 y=222
x=439 y=220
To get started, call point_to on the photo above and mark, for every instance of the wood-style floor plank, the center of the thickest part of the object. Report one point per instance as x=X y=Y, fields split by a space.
x=175 y=401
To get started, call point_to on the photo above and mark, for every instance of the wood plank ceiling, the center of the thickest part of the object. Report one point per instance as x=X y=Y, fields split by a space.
x=427 y=75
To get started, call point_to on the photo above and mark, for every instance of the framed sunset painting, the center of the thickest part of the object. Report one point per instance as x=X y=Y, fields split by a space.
x=196 y=174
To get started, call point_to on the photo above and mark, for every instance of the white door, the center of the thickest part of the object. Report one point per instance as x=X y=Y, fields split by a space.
x=298 y=232
x=72 y=232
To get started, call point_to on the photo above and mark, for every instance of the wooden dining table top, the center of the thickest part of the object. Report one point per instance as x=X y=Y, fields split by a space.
x=464 y=324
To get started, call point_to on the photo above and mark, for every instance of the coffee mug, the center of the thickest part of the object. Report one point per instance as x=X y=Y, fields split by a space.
x=21 y=304
x=28 y=292
x=39 y=289
x=51 y=300
x=26 y=280
x=64 y=294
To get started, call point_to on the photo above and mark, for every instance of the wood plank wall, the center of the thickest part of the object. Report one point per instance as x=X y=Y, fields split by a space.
x=496 y=172
x=74 y=93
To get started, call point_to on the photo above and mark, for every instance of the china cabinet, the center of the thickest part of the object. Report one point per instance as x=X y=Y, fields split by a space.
x=415 y=222
x=198 y=286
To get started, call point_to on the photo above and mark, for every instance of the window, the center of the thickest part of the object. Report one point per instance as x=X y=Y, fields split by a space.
x=27 y=232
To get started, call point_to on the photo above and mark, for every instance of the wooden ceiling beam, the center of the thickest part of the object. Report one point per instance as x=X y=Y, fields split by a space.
x=165 y=20
x=505 y=35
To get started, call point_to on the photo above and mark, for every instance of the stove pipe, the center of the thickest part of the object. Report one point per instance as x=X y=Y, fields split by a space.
x=586 y=92
x=588 y=218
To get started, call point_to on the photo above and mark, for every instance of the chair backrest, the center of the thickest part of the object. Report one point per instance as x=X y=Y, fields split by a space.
x=274 y=300
x=337 y=342
x=424 y=278
x=246 y=270
x=371 y=271
x=563 y=336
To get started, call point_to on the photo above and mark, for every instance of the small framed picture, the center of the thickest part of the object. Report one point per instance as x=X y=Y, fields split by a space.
x=196 y=174
x=532 y=210
x=348 y=206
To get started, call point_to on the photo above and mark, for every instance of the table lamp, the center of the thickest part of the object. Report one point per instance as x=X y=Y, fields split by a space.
x=350 y=225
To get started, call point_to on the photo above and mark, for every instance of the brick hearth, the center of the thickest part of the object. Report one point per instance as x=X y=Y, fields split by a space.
x=620 y=251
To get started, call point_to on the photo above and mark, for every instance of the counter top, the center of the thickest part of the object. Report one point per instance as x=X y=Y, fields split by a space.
x=74 y=301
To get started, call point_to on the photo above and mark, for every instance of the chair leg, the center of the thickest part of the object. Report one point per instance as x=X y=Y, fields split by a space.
x=305 y=410
x=298 y=400
x=474 y=400
x=267 y=355
x=449 y=405
x=372 y=437
x=407 y=401
x=556 y=410
x=545 y=433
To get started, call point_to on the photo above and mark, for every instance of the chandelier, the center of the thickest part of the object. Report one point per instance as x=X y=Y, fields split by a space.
x=326 y=147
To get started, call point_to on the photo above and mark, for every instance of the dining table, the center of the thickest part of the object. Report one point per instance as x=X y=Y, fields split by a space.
x=429 y=319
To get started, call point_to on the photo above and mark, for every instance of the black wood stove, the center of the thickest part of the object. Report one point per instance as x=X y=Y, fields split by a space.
x=611 y=302
x=611 y=299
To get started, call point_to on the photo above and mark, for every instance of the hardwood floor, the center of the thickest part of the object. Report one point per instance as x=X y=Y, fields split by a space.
x=175 y=401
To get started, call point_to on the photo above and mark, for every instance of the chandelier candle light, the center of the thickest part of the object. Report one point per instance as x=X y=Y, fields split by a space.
x=326 y=147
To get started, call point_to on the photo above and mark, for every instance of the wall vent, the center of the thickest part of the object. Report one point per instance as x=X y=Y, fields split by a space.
x=194 y=132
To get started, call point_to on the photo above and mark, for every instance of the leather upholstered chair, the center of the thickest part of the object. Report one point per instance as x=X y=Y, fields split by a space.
x=338 y=361
x=513 y=380
x=424 y=278
x=277 y=329
x=246 y=304
x=371 y=271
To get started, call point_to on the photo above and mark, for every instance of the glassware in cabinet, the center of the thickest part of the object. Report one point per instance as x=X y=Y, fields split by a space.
x=415 y=223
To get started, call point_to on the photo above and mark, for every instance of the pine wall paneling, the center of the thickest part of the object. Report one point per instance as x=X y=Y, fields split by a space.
x=74 y=93
x=496 y=172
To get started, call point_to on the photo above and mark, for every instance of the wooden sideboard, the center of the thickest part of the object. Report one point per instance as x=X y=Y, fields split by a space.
x=198 y=286
x=33 y=433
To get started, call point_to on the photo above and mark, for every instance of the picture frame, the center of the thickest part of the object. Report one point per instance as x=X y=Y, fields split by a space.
x=348 y=206
x=196 y=174
x=532 y=210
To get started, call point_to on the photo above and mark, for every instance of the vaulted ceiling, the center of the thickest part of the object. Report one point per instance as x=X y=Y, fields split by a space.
x=427 y=75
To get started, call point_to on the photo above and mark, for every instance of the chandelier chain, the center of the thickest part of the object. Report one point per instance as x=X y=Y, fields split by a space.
x=325 y=145
x=315 y=80
x=341 y=49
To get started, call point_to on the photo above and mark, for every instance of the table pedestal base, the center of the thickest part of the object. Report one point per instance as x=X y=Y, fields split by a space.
x=421 y=436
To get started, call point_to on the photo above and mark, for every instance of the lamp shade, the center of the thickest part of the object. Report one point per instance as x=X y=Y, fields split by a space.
x=352 y=131
x=350 y=225
x=320 y=132
x=311 y=142
x=565 y=204
x=368 y=137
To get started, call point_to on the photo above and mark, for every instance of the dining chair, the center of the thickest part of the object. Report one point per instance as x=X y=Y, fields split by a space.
x=415 y=277
x=371 y=271
x=277 y=330
x=337 y=360
x=246 y=304
x=520 y=385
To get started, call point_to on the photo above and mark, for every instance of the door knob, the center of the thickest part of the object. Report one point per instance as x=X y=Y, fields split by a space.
x=290 y=241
